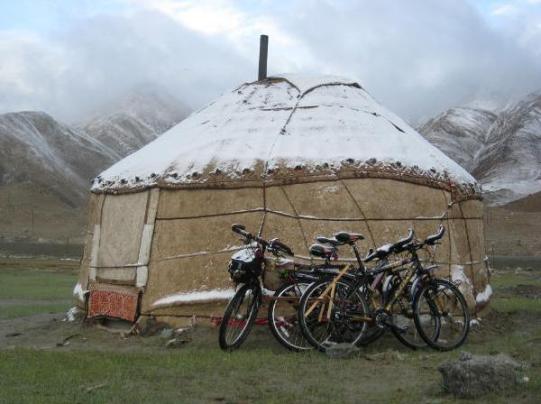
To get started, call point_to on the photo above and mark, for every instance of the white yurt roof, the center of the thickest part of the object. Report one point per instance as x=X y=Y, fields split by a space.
x=284 y=122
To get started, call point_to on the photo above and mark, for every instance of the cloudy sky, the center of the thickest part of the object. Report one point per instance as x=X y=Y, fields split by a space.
x=418 y=57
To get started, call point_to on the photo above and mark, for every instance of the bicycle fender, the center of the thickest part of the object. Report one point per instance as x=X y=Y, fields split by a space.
x=415 y=286
x=387 y=287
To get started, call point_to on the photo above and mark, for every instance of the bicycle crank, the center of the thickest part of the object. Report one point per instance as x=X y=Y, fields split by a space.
x=384 y=319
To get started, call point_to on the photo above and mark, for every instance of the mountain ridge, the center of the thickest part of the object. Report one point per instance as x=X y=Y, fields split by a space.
x=46 y=165
x=501 y=149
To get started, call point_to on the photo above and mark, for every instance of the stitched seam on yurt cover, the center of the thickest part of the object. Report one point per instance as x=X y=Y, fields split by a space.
x=472 y=272
x=448 y=231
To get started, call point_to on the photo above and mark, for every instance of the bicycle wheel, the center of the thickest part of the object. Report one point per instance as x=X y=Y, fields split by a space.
x=403 y=321
x=441 y=297
x=283 y=317
x=325 y=321
x=239 y=317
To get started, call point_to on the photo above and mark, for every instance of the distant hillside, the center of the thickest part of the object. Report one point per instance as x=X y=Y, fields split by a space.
x=514 y=228
x=502 y=150
x=46 y=166
x=36 y=149
x=531 y=203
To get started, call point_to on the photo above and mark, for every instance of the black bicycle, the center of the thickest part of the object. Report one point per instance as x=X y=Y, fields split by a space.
x=245 y=268
x=439 y=297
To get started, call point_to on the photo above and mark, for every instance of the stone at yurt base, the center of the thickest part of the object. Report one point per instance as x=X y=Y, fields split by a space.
x=294 y=156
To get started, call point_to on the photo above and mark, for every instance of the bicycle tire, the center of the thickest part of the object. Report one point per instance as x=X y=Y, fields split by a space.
x=404 y=317
x=334 y=330
x=372 y=332
x=231 y=317
x=284 y=323
x=448 y=298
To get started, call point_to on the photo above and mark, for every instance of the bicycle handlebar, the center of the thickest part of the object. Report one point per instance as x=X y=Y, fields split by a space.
x=276 y=244
x=434 y=238
x=241 y=229
x=430 y=240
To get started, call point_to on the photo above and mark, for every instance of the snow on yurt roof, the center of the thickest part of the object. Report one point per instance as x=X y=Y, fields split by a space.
x=305 y=125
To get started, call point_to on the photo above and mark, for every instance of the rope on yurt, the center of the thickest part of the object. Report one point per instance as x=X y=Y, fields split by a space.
x=296 y=216
x=266 y=167
x=472 y=272
x=263 y=219
x=446 y=215
x=361 y=212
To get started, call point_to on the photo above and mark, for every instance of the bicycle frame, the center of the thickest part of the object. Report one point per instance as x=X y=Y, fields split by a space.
x=382 y=267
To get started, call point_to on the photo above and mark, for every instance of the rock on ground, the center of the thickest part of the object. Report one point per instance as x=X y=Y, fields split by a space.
x=473 y=375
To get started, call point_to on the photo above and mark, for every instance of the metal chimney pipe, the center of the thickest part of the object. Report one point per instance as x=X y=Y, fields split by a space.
x=263 y=53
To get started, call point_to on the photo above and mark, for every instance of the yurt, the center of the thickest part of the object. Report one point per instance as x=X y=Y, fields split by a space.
x=289 y=156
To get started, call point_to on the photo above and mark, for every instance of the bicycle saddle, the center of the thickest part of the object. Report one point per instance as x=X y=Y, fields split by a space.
x=329 y=240
x=322 y=251
x=348 y=238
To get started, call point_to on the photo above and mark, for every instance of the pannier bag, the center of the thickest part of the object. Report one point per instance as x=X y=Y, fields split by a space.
x=276 y=270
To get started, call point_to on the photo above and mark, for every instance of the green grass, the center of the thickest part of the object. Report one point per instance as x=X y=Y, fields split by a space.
x=106 y=368
x=258 y=375
x=28 y=290
x=507 y=288
x=508 y=278
x=36 y=284
x=516 y=304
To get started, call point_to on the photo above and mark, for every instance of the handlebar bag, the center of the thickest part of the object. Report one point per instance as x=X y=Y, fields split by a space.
x=245 y=264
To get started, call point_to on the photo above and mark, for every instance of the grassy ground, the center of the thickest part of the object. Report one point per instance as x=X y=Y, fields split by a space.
x=35 y=286
x=96 y=366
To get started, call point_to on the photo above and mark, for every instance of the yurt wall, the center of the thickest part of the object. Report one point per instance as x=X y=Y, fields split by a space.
x=192 y=240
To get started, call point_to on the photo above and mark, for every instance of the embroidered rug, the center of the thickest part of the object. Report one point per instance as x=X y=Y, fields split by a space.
x=113 y=301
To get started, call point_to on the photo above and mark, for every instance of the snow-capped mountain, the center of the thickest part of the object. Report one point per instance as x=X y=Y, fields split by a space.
x=459 y=133
x=511 y=157
x=35 y=148
x=501 y=149
x=136 y=119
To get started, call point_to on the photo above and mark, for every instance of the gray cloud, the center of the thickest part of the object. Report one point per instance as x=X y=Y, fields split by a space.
x=418 y=57
x=76 y=71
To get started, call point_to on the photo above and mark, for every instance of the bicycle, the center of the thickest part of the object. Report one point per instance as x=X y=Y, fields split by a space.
x=439 y=296
x=246 y=267
x=336 y=310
